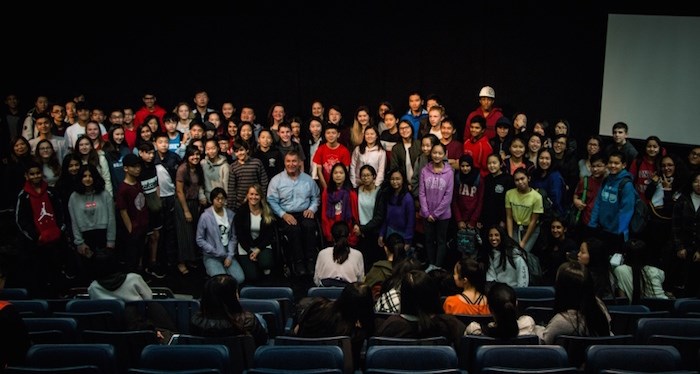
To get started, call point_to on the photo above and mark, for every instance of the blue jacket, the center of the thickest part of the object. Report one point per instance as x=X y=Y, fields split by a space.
x=555 y=187
x=209 y=235
x=612 y=212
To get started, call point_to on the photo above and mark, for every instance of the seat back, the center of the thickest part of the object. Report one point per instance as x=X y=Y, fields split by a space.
x=46 y=337
x=186 y=357
x=576 y=346
x=524 y=303
x=297 y=357
x=539 y=296
x=284 y=295
x=534 y=292
x=410 y=357
x=82 y=369
x=241 y=348
x=625 y=322
x=657 y=304
x=32 y=307
x=342 y=341
x=385 y=340
x=104 y=321
x=16 y=293
x=466 y=351
x=617 y=300
x=65 y=355
x=681 y=307
x=127 y=344
x=635 y=308
x=647 y=358
x=180 y=311
x=156 y=371
x=499 y=370
x=647 y=327
x=270 y=310
x=68 y=328
x=331 y=293
x=57 y=305
x=688 y=347
x=114 y=306
x=520 y=357
x=288 y=371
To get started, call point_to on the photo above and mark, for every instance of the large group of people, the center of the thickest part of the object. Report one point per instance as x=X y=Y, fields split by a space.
x=197 y=186
x=416 y=225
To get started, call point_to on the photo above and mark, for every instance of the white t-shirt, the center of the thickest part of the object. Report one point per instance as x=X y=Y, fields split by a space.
x=224 y=227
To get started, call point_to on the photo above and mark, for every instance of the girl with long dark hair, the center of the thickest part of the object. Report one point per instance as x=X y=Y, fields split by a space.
x=221 y=314
x=578 y=310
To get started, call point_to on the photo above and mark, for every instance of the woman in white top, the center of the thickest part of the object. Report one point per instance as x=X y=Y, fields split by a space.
x=89 y=155
x=340 y=264
x=369 y=152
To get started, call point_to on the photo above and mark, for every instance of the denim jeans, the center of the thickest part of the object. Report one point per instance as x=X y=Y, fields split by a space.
x=215 y=266
x=519 y=231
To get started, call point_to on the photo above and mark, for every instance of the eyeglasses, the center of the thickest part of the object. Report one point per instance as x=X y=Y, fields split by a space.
x=149 y=97
x=694 y=154
x=45 y=149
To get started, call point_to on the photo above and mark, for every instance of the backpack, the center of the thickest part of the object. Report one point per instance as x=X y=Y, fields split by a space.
x=467 y=241
x=640 y=214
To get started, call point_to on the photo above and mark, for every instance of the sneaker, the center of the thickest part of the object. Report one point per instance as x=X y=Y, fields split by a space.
x=155 y=271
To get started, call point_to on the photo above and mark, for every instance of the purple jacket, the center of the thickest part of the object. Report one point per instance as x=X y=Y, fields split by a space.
x=435 y=192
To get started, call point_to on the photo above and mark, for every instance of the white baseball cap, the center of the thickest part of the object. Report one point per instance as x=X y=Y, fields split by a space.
x=487 y=91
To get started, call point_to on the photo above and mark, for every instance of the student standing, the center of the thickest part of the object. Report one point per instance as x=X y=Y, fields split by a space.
x=151 y=190
x=40 y=218
x=131 y=203
x=328 y=154
x=189 y=185
x=166 y=168
x=613 y=208
x=436 y=188
x=245 y=171
x=91 y=210
x=620 y=131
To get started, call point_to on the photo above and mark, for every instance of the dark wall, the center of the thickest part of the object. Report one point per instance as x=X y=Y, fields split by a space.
x=545 y=61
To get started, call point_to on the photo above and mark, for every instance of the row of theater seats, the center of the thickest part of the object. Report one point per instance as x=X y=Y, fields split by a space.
x=275 y=304
x=216 y=358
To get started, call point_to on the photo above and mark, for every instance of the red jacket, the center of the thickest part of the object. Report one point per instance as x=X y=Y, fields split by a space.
x=493 y=116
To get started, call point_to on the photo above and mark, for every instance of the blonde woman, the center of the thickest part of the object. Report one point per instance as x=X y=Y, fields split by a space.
x=255 y=224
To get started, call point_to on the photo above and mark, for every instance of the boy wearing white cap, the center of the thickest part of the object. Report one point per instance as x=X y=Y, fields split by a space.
x=487 y=96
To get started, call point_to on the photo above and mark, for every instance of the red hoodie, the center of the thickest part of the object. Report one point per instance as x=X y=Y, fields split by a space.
x=43 y=213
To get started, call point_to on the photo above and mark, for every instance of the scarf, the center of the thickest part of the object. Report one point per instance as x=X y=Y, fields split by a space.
x=43 y=213
x=469 y=178
x=342 y=195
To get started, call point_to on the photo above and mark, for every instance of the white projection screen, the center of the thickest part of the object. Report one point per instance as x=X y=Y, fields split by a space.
x=651 y=79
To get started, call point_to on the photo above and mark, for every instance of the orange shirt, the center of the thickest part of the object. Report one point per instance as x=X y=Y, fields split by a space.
x=458 y=304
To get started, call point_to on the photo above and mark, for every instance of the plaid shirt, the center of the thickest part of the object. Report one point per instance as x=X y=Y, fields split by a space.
x=389 y=302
